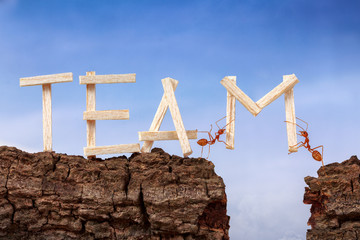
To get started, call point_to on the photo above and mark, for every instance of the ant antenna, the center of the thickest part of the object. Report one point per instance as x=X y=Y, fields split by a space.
x=218 y=121
x=303 y=122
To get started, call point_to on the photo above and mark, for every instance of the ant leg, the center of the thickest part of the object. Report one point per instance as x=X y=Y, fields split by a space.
x=223 y=142
x=303 y=122
x=209 y=132
x=318 y=147
x=210 y=137
x=208 y=153
x=202 y=148
x=302 y=144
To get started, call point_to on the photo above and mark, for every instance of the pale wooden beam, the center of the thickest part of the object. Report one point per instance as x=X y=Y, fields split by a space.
x=46 y=79
x=165 y=135
x=158 y=118
x=107 y=115
x=290 y=115
x=47 y=117
x=111 y=78
x=244 y=99
x=283 y=87
x=230 y=117
x=112 y=149
x=91 y=106
x=176 y=116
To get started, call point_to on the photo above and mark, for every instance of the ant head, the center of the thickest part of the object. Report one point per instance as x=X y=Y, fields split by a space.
x=221 y=131
x=304 y=133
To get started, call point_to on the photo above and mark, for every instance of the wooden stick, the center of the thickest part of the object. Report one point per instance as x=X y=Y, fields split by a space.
x=111 y=78
x=165 y=135
x=176 y=116
x=277 y=91
x=244 y=99
x=91 y=106
x=112 y=149
x=107 y=115
x=46 y=79
x=158 y=118
x=47 y=117
x=230 y=117
x=290 y=115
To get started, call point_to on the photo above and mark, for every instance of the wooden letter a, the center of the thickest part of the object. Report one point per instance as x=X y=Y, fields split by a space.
x=168 y=100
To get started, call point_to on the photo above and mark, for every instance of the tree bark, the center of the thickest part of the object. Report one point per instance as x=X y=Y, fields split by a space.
x=335 y=201
x=148 y=196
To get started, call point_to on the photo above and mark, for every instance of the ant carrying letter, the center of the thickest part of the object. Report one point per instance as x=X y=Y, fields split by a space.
x=315 y=153
x=203 y=142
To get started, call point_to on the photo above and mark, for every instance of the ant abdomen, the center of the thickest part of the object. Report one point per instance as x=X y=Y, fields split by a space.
x=316 y=155
x=202 y=142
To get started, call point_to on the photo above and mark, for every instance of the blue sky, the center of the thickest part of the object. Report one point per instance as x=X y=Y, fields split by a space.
x=197 y=43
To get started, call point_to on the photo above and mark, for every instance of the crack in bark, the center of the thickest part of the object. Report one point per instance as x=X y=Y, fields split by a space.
x=7 y=196
x=207 y=190
x=127 y=180
x=146 y=221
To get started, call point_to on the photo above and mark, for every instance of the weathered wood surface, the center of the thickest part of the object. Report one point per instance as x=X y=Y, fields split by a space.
x=111 y=78
x=112 y=149
x=165 y=135
x=230 y=116
x=244 y=99
x=290 y=115
x=47 y=117
x=158 y=118
x=176 y=116
x=106 y=115
x=283 y=87
x=46 y=79
x=249 y=104
x=90 y=106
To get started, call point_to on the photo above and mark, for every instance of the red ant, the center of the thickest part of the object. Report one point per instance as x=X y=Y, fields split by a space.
x=315 y=154
x=203 y=142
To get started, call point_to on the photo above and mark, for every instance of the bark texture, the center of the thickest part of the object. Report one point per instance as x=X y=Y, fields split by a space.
x=335 y=199
x=148 y=196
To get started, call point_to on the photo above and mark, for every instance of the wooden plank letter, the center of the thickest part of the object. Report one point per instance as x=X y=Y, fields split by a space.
x=164 y=135
x=91 y=106
x=107 y=115
x=158 y=118
x=175 y=114
x=47 y=118
x=290 y=115
x=286 y=87
x=283 y=87
x=111 y=78
x=46 y=79
x=91 y=115
x=230 y=117
x=112 y=149
x=244 y=99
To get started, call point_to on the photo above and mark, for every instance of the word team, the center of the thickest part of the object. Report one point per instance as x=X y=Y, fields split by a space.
x=91 y=115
